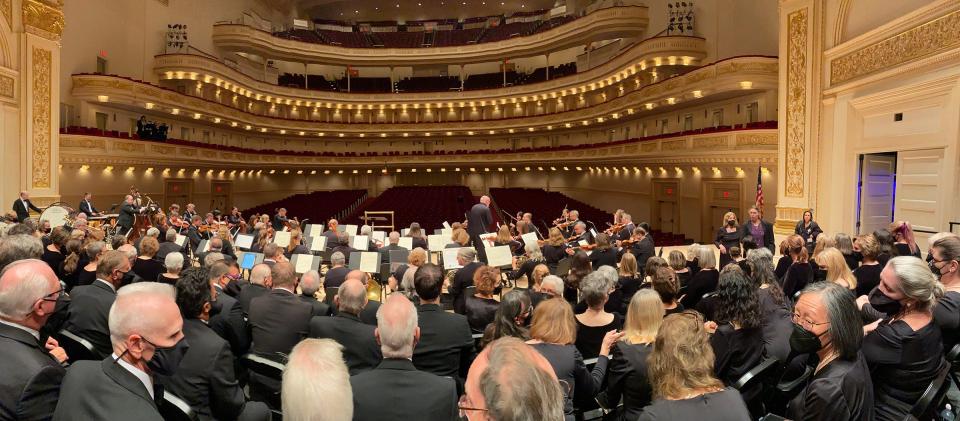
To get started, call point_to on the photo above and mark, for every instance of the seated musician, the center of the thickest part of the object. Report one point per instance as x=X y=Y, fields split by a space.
x=189 y=212
x=86 y=206
x=573 y=218
x=280 y=219
x=528 y=220
x=505 y=239
x=234 y=217
x=626 y=221
x=639 y=245
x=580 y=233
x=193 y=233
x=331 y=232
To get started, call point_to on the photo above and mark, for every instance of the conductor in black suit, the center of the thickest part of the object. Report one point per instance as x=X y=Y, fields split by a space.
x=86 y=206
x=90 y=304
x=760 y=230
x=30 y=384
x=478 y=222
x=123 y=386
x=445 y=345
x=360 y=349
x=128 y=212
x=22 y=206
x=205 y=378
x=396 y=380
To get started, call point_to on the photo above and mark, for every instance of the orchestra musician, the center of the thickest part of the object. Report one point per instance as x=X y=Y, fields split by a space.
x=554 y=248
x=234 y=218
x=193 y=232
x=189 y=212
x=280 y=219
x=569 y=227
x=331 y=232
x=627 y=222
x=86 y=206
x=504 y=238
x=22 y=206
x=580 y=233
x=128 y=212
x=528 y=220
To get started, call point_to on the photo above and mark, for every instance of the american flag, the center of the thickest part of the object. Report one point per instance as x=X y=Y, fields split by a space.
x=760 y=190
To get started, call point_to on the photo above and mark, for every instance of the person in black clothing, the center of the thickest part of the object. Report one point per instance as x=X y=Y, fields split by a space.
x=705 y=281
x=280 y=220
x=888 y=248
x=628 y=283
x=604 y=254
x=361 y=351
x=728 y=236
x=127 y=215
x=906 y=243
x=627 y=373
x=86 y=206
x=554 y=248
x=845 y=245
x=809 y=230
x=579 y=269
x=799 y=274
x=534 y=258
x=463 y=278
x=53 y=253
x=481 y=307
x=868 y=273
x=90 y=304
x=762 y=231
x=678 y=263
x=478 y=222
x=664 y=283
x=594 y=322
x=737 y=339
x=904 y=351
x=309 y=285
x=511 y=319
x=22 y=206
x=642 y=246
x=416 y=233
x=445 y=345
x=945 y=264
x=260 y=284
x=826 y=323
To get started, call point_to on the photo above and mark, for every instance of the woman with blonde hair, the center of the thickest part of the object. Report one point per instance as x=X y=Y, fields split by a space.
x=628 y=283
x=835 y=269
x=539 y=272
x=504 y=238
x=681 y=372
x=627 y=373
x=678 y=262
x=868 y=273
x=554 y=248
x=553 y=333
x=415 y=259
x=728 y=236
x=460 y=238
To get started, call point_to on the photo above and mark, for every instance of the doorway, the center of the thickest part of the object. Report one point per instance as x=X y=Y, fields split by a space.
x=221 y=197
x=665 y=207
x=179 y=191
x=876 y=193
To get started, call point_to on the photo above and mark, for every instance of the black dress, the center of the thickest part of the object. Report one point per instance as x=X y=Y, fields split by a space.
x=725 y=405
x=683 y=278
x=946 y=314
x=553 y=254
x=678 y=309
x=840 y=391
x=851 y=260
x=777 y=325
x=798 y=276
x=782 y=266
x=148 y=269
x=627 y=378
x=480 y=312
x=904 y=250
x=54 y=259
x=621 y=296
x=590 y=338
x=569 y=367
x=728 y=240
x=736 y=351
x=902 y=363
x=703 y=282
x=86 y=277
x=606 y=257
x=868 y=277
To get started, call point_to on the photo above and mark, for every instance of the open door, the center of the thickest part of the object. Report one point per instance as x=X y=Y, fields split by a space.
x=877 y=191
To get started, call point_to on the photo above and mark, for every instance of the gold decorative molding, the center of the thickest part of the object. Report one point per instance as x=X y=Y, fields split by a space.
x=83 y=142
x=41 y=111
x=674 y=145
x=6 y=6
x=43 y=19
x=710 y=142
x=7 y=86
x=757 y=140
x=928 y=39
x=796 y=102
x=787 y=218
x=648 y=147
x=129 y=147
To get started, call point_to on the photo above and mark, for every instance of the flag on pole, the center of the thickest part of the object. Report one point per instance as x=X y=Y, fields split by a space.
x=759 y=202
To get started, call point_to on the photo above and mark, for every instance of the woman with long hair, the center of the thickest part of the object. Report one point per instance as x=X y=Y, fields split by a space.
x=627 y=374
x=628 y=283
x=295 y=246
x=668 y=289
x=774 y=306
x=266 y=237
x=728 y=236
x=579 y=269
x=72 y=265
x=905 y=243
x=681 y=370
x=505 y=238
x=554 y=248
x=510 y=319
x=836 y=270
x=416 y=233
x=738 y=340
x=845 y=245
x=604 y=254
x=799 y=274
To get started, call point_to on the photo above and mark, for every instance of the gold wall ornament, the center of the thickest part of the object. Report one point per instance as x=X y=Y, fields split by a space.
x=757 y=140
x=7 y=86
x=938 y=35
x=41 y=152
x=796 y=102
x=674 y=145
x=43 y=19
x=649 y=147
x=713 y=142
x=130 y=147
x=6 y=6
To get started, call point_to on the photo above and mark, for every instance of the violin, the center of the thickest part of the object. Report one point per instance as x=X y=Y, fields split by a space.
x=614 y=228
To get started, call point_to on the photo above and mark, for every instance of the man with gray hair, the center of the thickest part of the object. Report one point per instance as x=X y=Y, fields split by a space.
x=19 y=247
x=393 y=241
x=260 y=284
x=131 y=253
x=271 y=254
x=464 y=278
x=338 y=271
x=428 y=396
x=169 y=246
x=369 y=313
x=316 y=384
x=309 y=285
x=511 y=381
x=122 y=385
x=212 y=257
x=361 y=350
x=32 y=373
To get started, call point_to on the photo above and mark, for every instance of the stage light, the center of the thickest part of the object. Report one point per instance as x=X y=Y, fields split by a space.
x=553 y=168
x=340 y=135
x=697 y=94
x=196 y=116
x=299 y=172
x=175 y=111
x=746 y=84
x=443 y=169
x=148 y=105
x=326 y=172
x=457 y=169
x=739 y=171
x=130 y=170
x=539 y=168
x=263 y=130
x=511 y=130
x=272 y=171
x=429 y=170
x=764 y=170
x=383 y=135
x=413 y=170
x=566 y=169
x=526 y=168
x=514 y=169
x=108 y=168
x=500 y=169
x=321 y=134
x=579 y=168
x=663 y=170
x=356 y=172
x=282 y=131
x=473 y=169
x=302 y=133
x=340 y=172
x=696 y=170
x=84 y=167
x=399 y=170
x=103 y=98
x=233 y=124
x=678 y=170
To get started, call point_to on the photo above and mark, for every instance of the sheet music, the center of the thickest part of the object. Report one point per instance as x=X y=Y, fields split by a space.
x=446 y=225
x=529 y=238
x=499 y=256
x=318 y=243
x=315 y=230
x=582 y=243
x=404 y=232
x=450 y=258
x=350 y=229
x=370 y=262
x=281 y=238
x=181 y=240
x=487 y=238
x=244 y=241
x=303 y=263
x=406 y=242
x=380 y=236
x=447 y=234
x=436 y=242
x=361 y=242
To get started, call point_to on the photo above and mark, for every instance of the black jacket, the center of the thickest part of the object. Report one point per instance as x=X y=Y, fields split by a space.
x=768 y=240
x=87 y=208
x=104 y=390
x=319 y=308
x=30 y=384
x=360 y=349
x=478 y=220
x=126 y=216
x=278 y=320
x=205 y=378
x=248 y=293
x=461 y=280
x=385 y=252
x=229 y=323
x=395 y=390
x=445 y=345
x=22 y=211
x=87 y=314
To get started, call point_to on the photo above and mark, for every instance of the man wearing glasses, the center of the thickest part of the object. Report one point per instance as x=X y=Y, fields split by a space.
x=32 y=371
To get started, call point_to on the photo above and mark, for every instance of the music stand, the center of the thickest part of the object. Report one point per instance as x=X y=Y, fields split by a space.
x=563 y=267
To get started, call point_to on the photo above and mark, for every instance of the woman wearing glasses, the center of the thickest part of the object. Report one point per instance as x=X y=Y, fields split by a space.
x=827 y=323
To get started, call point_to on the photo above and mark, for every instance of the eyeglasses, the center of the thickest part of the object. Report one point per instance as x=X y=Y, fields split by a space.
x=55 y=294
x=464 y=405
x=806 y=323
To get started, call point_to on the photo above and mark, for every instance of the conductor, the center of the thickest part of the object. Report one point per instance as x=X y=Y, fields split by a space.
x=478 y=222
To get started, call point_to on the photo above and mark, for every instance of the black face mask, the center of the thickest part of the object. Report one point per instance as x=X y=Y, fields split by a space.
x=880 y=302
x=731 y=223
x=803 y=341
x=933 y=267
x=858 y=256
x=819 y=274
x=166 y=360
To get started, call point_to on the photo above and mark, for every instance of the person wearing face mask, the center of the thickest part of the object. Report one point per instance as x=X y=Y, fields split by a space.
x=90 y=304
x=31 y=369
x=905 y=350
x=728 y=236
x=826 y=323
x=945 y=264
x=123 y=386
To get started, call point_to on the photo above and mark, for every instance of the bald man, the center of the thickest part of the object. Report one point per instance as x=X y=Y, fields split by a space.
x=369 y=313
x=361 y=351
x=478 y=222
x=260 y=284
x=121 y=387
x=30 y=384
x=511 y=381
x=419 y=394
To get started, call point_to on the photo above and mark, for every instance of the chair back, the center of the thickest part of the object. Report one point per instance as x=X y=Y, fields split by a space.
x=933 y=397
x=758 y=373
x=263 y=366
x=329 y=293
x=76 y=347
x=753 y=385
x=175 y=409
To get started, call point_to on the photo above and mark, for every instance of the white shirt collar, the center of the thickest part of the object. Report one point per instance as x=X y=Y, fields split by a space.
x=285 y=289
x=22 y=327
x=108 y=284
x=140 y=374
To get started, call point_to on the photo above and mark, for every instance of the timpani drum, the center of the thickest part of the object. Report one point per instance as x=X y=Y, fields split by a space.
x=58 y=215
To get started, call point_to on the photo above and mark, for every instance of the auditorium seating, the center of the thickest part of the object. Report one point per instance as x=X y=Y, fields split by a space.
x=489 y=81
x=456 y=37
x=364 y=84
x=428 y=84
x=507 y=31
x=428 y=205
x=316 y=206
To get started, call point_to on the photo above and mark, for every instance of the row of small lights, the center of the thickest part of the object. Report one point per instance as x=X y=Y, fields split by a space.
x=614 y=116
x=463 y=3
x=592 y=169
